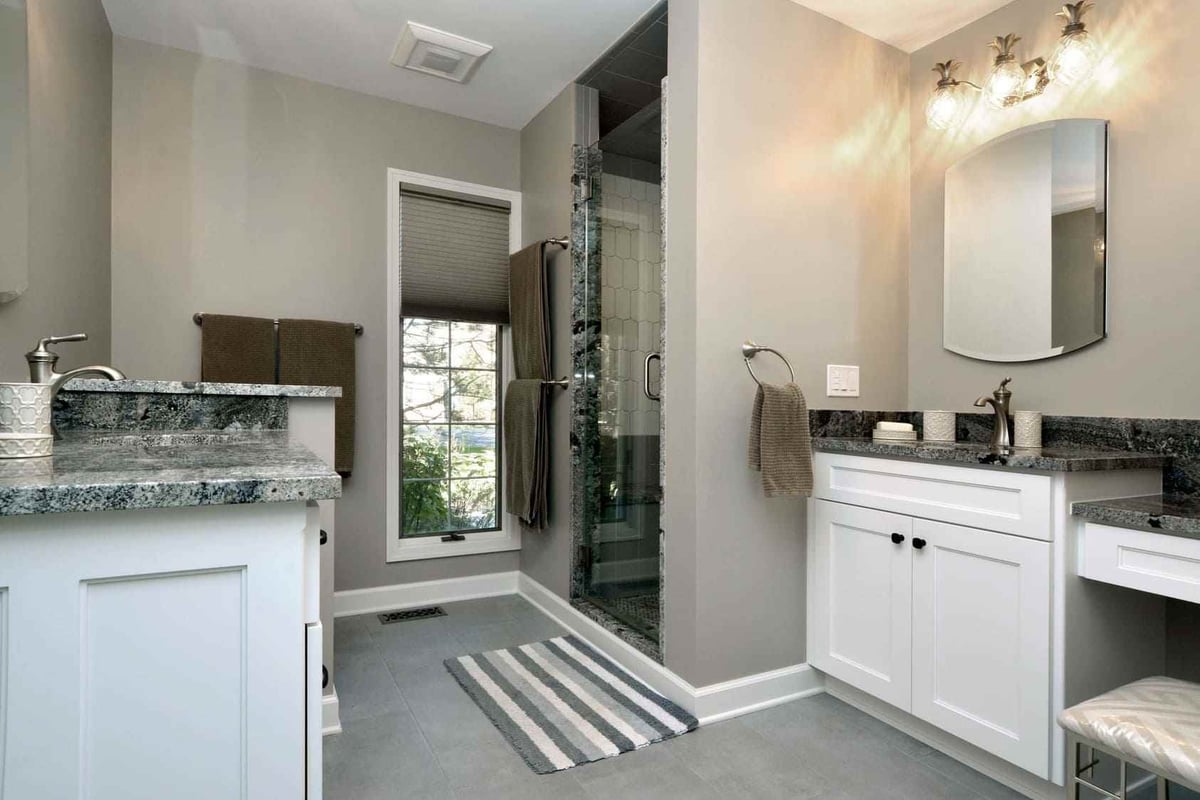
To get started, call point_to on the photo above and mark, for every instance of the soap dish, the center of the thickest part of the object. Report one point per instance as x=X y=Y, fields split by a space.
x=26 y=445
x=894 y=436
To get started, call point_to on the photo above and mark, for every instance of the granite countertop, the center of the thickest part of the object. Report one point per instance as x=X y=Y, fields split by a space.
x=1175 y=514
x=111 y=470
x=138 y=386
x=1053 y=459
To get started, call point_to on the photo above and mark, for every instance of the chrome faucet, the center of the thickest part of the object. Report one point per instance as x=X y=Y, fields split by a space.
x=1001 y=433
x=42 y=361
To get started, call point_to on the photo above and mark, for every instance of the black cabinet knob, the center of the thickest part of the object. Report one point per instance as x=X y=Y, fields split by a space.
x=324 y=677
x=918 y=543
x=897 y=538
x=324 y=537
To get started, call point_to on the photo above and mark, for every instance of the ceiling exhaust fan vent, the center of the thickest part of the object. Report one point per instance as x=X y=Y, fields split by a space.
x=433 y=52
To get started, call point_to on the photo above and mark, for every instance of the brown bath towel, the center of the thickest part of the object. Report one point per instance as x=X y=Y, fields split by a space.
x=526 y=452
x=780 y=445
x=237 y=349
x=317 y=353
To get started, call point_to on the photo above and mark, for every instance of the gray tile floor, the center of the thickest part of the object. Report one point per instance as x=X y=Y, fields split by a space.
x=409 y=731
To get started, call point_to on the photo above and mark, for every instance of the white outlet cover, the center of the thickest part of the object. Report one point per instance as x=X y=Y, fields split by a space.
x=841 y=380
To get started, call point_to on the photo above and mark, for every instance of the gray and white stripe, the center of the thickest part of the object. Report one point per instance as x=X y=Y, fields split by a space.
x=560 y=703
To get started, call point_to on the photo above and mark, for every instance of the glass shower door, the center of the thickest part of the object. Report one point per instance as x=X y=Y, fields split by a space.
x=623 y=301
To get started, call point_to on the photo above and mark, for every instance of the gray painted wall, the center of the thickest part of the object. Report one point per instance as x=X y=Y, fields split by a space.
x=798 y=239
x=244 y=191
x=546 y=166
x=70 y=120
x=1152 y=208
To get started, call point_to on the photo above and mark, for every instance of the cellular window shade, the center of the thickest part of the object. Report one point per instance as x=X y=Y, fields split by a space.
x=453 y=258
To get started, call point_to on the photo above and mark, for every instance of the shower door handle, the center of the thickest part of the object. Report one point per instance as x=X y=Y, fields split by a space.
x=646 y=376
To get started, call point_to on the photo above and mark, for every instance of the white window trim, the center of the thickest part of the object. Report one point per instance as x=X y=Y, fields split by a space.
x=426 y=547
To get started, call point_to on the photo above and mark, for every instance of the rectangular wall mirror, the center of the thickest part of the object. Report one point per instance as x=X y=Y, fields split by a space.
x=1025 y=269
x=14 y=151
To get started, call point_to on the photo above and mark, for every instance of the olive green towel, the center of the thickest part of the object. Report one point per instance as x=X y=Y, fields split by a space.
x=237 y=349
x=780 y=445
x=526 y=452
x=317 y=353
x=526 y=417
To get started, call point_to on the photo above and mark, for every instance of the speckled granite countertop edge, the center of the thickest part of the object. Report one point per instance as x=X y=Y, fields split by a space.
x=100 y=471
x=963 y=453
x=138 y=386
x=1178 y=516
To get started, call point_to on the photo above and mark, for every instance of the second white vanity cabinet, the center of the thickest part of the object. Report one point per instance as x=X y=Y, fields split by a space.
x=943 y=590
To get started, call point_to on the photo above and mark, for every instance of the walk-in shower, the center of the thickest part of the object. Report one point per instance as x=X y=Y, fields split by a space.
x=618 y=317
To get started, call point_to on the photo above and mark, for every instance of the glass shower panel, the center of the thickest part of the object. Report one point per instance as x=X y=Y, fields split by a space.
x=622 y=576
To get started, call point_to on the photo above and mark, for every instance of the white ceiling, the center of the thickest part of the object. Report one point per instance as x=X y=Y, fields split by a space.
x=906 y=24
x=540 y=45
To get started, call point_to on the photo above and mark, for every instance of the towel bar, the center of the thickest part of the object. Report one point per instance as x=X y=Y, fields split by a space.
x=198 y=318
x=750 y=350
x=561 y=383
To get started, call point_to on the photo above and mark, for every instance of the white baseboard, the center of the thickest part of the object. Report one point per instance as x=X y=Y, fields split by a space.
x=711 y=703
x=331 y=719
x=423 y=593
x=729 y=699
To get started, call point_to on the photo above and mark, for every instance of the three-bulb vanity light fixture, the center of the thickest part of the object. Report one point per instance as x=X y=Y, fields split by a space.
x=1010 y=82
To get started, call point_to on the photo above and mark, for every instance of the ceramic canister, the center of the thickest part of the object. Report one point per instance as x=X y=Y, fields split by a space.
x=939 y=426
x=25 y=408
x=1028 y=428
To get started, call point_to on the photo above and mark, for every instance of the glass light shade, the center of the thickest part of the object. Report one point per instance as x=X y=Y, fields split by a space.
x=1074 y=58
x=1004 y=83
x=945 y=108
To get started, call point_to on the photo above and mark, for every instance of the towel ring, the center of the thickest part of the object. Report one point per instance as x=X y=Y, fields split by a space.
x=750 y=350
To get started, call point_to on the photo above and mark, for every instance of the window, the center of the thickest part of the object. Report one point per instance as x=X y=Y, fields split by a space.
x=450 y=398
x=448 y=355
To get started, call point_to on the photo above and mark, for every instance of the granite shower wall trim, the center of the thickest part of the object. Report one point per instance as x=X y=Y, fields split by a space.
x=1177 y=438
x=585 y=358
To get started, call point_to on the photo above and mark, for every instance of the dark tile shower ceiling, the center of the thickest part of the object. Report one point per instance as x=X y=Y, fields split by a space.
x=628 y=77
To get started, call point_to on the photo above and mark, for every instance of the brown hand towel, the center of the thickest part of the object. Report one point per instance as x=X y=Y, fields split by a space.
x=780 y=445
x=529 y=312
x=237 y=349
x=526 y=452
x=317 y=353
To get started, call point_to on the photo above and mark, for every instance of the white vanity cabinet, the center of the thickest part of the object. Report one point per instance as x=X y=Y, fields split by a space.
x=948 y=623
x=161 y=653
x=942 y=590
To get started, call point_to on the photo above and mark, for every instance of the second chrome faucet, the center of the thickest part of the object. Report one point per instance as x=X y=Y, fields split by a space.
x=999 y=401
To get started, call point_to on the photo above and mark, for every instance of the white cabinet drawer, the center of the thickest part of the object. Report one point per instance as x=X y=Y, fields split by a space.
x=996 y=500
x=1149 y=562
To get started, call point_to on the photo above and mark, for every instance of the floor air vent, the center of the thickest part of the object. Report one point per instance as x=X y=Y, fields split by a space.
x=388 y=617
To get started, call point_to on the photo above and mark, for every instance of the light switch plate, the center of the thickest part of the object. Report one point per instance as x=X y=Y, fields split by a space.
x=841 y=380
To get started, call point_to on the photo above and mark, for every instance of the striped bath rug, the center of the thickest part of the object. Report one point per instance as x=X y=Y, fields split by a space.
x=560 y=703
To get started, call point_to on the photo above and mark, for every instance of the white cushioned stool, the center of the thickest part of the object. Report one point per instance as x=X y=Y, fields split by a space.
x=1153 y=724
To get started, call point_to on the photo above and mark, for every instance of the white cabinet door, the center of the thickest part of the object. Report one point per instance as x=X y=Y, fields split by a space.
x=859 y=601
x=981 y=639
x=153 y=654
